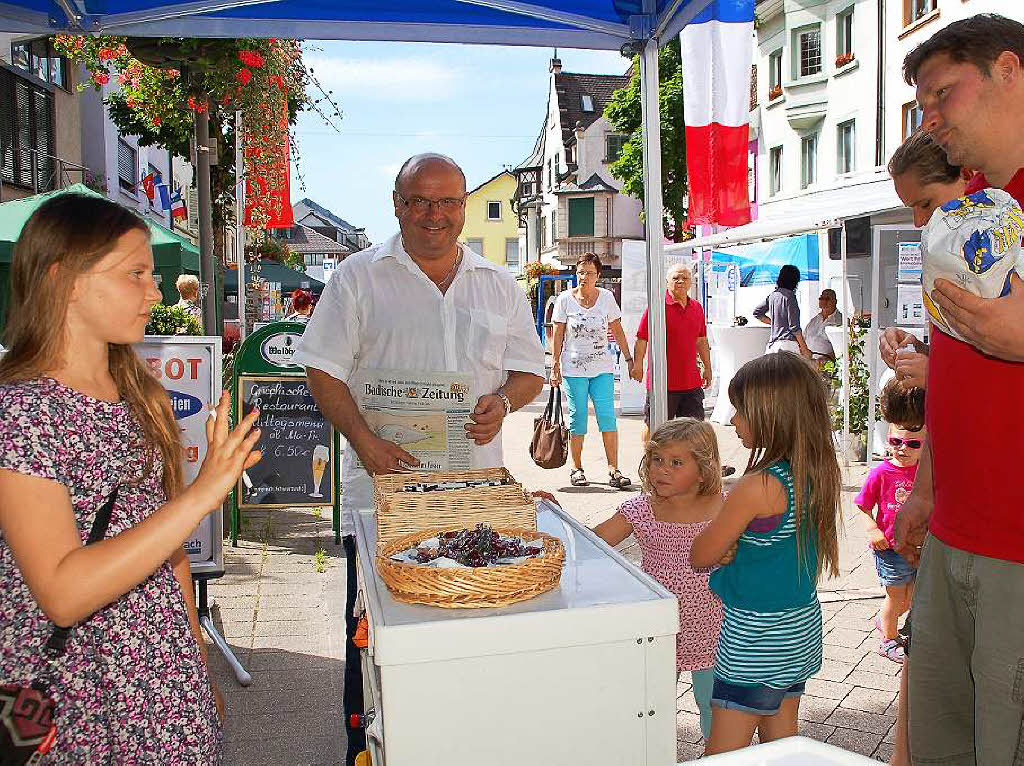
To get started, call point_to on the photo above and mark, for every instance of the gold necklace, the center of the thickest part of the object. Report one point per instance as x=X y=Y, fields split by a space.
x=443 y=284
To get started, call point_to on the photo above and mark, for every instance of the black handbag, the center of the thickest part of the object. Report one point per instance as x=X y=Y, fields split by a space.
x=550 y=445
x=27 y=712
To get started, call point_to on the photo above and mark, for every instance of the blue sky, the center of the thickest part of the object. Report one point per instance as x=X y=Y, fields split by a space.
x=482 y=105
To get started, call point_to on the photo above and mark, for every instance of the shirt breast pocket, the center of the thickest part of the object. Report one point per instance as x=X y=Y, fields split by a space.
x=486 y=338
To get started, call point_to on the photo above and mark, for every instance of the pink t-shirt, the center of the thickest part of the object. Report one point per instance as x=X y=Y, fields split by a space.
x=887 y=487
x=665 y=548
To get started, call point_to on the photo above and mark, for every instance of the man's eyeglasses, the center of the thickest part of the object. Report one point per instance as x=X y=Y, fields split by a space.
x=423 y=205
x=582 y=274
x=895 y=441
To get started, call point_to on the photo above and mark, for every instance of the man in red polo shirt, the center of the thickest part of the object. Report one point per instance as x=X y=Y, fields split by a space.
x=967 y=676
x=686 y=336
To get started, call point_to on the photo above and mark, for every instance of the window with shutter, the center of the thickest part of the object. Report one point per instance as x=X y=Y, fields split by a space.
x=127 y=162
x=26 y=132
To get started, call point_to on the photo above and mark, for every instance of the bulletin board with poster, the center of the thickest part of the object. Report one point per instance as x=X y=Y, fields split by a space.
x=300 y=463
x=190 y=370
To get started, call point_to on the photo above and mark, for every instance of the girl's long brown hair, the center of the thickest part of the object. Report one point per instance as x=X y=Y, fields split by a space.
x=785 y=404
x=64 y=238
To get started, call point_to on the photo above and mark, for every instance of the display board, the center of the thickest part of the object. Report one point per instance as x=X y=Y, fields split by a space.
x=296 y=468
x=301 y=461
x=190 y=370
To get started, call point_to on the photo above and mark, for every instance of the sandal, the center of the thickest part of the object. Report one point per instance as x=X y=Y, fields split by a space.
x=892 y=649
x=616 y=479
x=577 y=478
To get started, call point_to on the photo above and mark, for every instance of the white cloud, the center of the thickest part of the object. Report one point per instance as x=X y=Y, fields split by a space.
x=389 y=170
x=399 y=79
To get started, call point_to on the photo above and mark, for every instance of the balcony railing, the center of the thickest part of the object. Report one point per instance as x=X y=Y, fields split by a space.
x=571 y=248
x=45 y=172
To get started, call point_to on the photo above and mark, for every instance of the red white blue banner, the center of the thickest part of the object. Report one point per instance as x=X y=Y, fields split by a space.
x=717 y=53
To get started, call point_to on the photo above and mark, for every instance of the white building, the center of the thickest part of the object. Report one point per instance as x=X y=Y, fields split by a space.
x=122 y=163
x=831 y=109
x=567 y=200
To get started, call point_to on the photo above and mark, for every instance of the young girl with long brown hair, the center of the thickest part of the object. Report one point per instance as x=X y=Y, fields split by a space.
x=775 y=535
x=80 y=420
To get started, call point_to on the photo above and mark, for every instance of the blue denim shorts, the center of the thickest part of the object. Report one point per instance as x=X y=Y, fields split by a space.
x=893 y=569
x=756 y=700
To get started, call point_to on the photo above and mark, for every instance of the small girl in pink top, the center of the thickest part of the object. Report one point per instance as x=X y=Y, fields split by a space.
x=682 y=480
x=887 y=486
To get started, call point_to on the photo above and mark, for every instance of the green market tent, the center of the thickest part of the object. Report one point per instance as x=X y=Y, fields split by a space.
x=173 y=255
x=272 y=271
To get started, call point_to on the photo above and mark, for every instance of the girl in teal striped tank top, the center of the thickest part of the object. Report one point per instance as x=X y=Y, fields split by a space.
x=774 y=536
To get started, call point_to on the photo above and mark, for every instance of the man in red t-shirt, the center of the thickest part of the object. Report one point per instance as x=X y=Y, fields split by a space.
x=686 y=337
x=967 y=678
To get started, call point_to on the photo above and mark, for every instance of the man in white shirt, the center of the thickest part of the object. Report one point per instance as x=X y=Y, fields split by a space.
x=423 y=303
x=814 y=334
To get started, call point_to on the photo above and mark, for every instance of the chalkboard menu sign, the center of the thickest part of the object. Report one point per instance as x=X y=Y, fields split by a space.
x=297 y=468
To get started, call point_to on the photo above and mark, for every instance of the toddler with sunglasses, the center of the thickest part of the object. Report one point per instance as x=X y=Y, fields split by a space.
x=887 y=487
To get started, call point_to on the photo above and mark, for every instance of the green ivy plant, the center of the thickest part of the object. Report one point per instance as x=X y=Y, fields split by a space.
x=860 y=381
x=172 y=320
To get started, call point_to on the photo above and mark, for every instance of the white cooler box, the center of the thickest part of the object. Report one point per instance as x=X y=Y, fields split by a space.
x=583 y=674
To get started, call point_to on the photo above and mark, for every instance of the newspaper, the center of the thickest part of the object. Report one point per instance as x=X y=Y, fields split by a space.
x=424 y=413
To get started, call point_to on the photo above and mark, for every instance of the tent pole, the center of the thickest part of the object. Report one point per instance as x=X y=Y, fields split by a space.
x=846 y=349
x=207 y=264
x=243 y=282
x=653 y=207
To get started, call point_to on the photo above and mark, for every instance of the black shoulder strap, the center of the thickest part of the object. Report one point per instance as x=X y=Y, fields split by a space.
x=59 y=637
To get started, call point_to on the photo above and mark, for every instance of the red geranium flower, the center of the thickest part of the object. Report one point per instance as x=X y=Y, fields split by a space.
x=100 y=78
x=244 y=76
x=106 y=54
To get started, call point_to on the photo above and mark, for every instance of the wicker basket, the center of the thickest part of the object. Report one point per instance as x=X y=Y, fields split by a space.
x=403 y=513
x=471 y=587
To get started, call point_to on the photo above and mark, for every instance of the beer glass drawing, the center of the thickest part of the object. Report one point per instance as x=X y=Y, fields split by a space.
x=321 y=455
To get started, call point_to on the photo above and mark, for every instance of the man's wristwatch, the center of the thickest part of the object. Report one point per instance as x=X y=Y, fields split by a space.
x=506 y=401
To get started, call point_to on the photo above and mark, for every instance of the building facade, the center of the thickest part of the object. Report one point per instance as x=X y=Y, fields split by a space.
x=567 y=201
x=40 y=120
x=492 y=227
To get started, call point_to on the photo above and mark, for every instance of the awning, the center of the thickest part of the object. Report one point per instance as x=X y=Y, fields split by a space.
x=868 y=194
x=169 y=249
x=602 y=24
x=272 y=271
x=759 y=262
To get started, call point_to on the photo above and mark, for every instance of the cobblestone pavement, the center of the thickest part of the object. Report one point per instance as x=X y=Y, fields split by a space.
x=280 y=607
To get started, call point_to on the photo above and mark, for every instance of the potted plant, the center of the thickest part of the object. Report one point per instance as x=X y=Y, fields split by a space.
x=843 y=59
x=774 y=92
x=860 y=384
x=172 y=320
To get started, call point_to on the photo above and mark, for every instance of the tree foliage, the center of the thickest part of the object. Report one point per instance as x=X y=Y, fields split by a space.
x=624 y=111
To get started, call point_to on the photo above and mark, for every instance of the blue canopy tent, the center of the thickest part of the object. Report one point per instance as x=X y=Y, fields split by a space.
x=759 y=262
x=635 y=26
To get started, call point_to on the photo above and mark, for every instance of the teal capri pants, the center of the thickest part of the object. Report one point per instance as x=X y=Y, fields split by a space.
x=600 y=389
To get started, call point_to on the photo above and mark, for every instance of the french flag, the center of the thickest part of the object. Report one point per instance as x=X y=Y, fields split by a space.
x=717 y=52
x=178 y=206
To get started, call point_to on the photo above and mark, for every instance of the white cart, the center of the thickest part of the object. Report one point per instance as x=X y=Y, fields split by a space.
x=583 y=674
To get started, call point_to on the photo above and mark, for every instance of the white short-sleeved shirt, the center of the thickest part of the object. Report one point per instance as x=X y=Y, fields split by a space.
x=585 y=346
x=380 y=311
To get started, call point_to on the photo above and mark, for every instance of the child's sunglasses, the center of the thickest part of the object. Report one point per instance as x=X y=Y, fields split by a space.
x=895 y=441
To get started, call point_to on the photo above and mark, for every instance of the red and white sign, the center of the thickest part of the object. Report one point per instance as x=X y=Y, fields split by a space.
x=190 y=370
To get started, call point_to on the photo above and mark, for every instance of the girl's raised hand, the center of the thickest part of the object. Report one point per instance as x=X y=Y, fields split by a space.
x=228 y=453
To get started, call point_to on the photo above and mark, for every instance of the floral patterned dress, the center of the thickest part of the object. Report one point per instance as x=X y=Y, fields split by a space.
x=665 y=549
x=132 y=686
